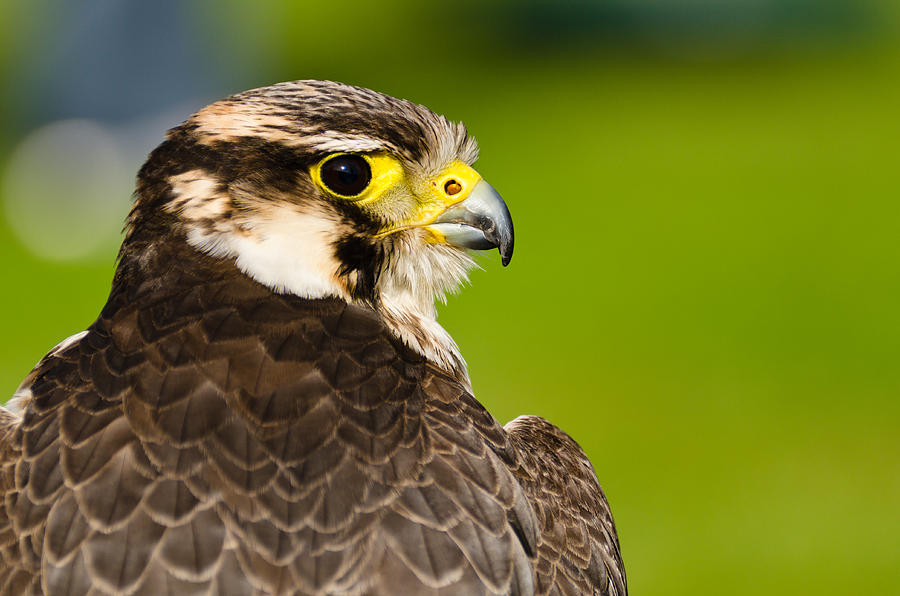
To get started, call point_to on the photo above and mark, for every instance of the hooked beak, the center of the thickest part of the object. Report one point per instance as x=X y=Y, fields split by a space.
x=480 y=222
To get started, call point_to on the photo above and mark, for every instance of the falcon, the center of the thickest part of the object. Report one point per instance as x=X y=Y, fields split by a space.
x=267 y=405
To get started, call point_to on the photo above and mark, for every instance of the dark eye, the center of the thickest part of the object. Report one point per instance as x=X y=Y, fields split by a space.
x=346 y=175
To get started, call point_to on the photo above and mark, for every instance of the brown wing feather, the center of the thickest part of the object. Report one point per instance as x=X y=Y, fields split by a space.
x=13 y=578
x=578 y=548
x=222 y=438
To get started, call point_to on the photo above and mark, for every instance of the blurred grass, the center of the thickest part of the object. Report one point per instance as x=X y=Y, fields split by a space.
x=704 y=295
x=703 y=292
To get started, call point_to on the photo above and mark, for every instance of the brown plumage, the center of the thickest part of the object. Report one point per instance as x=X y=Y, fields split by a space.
x=215 y=432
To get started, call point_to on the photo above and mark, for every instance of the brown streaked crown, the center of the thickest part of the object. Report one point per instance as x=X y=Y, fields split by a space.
x=256 y=147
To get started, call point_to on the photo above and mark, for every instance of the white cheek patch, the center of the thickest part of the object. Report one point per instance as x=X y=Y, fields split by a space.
x=288 y=250
x=287 y=247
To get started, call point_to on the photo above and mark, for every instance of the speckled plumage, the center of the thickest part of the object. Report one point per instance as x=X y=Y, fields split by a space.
x=211 y=435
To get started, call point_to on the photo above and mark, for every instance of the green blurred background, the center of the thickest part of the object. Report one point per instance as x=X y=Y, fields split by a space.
x=707 y=271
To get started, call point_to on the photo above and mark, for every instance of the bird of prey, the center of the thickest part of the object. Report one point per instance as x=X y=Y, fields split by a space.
x=266 y=403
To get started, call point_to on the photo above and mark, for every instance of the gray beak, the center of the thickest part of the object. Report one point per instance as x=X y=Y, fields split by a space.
x=480 y=222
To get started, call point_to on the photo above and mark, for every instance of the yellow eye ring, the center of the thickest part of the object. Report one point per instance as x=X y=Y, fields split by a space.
x=345 y=174
x=381 y=172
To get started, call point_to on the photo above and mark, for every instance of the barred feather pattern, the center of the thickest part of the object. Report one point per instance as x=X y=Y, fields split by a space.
x=208 y=436
x=578 y=547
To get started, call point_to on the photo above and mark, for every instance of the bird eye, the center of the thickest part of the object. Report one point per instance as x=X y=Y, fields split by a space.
x=346 y=175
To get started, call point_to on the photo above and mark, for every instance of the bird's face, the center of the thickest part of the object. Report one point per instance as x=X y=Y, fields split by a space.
x=317 y=188
x=455 y=206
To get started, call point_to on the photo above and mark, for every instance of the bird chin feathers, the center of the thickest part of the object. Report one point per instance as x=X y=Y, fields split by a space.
x=418 y=273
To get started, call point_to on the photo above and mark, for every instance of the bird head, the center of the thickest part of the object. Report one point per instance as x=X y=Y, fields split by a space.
x=318 y=189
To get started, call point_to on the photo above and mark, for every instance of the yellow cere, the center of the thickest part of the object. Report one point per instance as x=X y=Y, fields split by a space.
x=434 y=198
x=463 y=175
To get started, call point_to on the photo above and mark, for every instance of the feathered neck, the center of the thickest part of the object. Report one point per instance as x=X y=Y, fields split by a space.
x=154 y=270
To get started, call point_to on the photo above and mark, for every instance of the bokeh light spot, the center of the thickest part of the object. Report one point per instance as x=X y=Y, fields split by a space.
x=66 y=191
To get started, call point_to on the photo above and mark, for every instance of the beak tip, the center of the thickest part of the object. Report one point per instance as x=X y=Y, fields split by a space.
x=506 y=253
x=480 y=222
